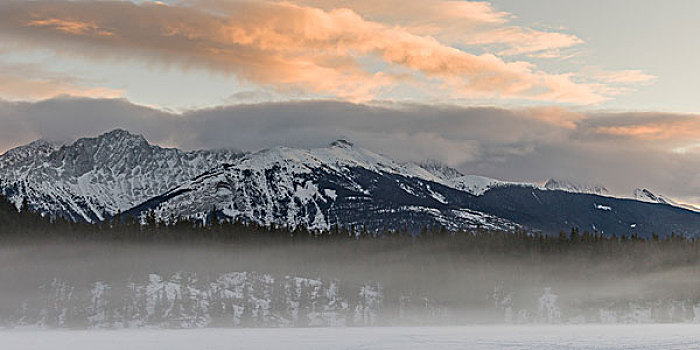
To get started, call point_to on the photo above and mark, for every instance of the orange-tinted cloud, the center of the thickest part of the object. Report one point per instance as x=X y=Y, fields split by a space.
x=28 y=82
x=70 y=27
x=431 y=16
x=325 y=50
x=464 y=22
x=518 y=40
x=674 y=128
x=19 y=88
x=556 y=116
x=632 y=76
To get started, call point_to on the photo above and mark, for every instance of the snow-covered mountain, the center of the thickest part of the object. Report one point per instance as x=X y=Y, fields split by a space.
x=645 y=195
x=342 y=184
x=439 y=169
x=95 y=178
x=570 y=186
x=639 y=194
x=450 y=177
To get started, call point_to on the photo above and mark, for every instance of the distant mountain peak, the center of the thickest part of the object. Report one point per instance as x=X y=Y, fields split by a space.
x=575 y=187
x=440 y=169
x=117 y=143
x=645 y=195
x=24 y=155
x=342 y=144
x=121 y=134
x=40 y=145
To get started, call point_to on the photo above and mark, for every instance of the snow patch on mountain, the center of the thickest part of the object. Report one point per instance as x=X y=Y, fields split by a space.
x=448 y=176
x=602 y=207
x=478 y=185
x=440 y=170
x=474 y=184
x=571 y=186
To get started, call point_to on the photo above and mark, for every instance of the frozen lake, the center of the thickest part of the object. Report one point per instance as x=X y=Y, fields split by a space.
x=666 y=336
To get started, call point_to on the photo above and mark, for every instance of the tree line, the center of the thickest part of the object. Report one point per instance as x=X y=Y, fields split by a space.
x=18 y=225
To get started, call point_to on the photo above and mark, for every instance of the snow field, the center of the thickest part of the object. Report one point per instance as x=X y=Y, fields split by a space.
x=612 y=337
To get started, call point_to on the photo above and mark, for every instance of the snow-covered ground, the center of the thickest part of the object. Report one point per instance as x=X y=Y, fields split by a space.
x=666 y=336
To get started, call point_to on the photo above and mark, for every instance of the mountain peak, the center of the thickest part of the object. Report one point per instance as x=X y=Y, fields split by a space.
x=36 y=151
x=439 y=169
x=40 y=145
x=643 y=194
x=570 y=186
x=341 y=144
x=121 y=134
x=113 y=144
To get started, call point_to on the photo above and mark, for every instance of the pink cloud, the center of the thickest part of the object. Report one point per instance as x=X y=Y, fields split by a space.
x=463 y=22
x=28 y=82
x=678 y=129
x=632 y=76
x=322 y=50
x=71 y=27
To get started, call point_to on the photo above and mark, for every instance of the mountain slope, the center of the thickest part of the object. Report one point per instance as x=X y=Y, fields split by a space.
x=555 y=210
x=338 y=185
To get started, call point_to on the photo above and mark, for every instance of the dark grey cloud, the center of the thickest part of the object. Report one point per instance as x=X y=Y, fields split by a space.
x=620 y=150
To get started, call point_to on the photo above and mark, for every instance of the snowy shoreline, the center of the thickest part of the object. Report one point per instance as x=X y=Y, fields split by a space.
x=648 y=336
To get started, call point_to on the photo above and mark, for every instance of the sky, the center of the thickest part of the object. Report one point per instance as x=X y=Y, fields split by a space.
x=595 y=91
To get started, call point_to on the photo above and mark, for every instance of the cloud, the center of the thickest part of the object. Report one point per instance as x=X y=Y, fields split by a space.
x=70 y=27
x=518 y=40
x=414 y=13
x=633 y=76
x=659 y=127
x=351 y=53
x=30 y=82
x=556 y=116
x=523 y=144
x=464 y=22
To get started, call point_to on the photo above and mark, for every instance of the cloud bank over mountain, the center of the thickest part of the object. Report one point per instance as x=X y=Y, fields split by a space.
x=656 y=150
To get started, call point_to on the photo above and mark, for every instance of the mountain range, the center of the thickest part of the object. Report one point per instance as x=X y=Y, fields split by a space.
x=94 y=179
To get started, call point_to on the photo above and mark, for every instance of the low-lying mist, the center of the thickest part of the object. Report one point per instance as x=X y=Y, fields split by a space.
x=434 y=280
